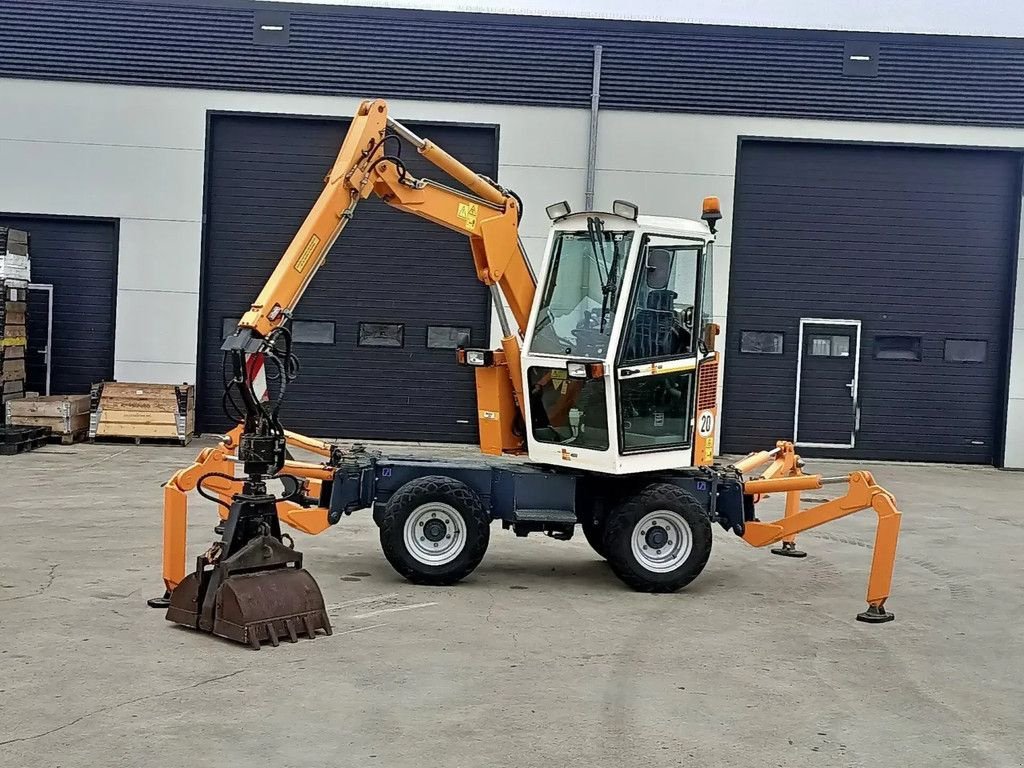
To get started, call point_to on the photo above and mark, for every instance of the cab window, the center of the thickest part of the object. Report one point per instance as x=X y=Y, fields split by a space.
x=661 y=322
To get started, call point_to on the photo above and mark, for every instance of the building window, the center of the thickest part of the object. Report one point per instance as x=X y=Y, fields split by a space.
x=965 y=351
x=447 y=337
x=826 y=345
x=860 y=59
x=303 y=331
x=897 y=347
x=381 y=335
x=761 y=342
x=270 y=27
x=313 y=332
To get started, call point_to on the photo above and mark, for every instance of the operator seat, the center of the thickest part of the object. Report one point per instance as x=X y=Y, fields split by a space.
x=656 y=330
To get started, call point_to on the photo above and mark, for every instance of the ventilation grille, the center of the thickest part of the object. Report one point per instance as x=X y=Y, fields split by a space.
x=707 y=389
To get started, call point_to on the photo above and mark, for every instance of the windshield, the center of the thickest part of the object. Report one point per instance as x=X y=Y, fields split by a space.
x=577 y=309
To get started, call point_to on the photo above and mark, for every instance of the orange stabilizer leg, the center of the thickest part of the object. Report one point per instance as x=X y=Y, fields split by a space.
x=214 y=466
x=787 y=547
x=175 y=524
x=862 y=493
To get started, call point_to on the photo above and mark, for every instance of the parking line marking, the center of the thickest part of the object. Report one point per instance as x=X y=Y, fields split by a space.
x=392 y=610
x=360 y=629
x=360 y=600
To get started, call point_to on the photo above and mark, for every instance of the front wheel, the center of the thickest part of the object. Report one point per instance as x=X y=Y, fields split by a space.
x=658 y=539
x=435 y=530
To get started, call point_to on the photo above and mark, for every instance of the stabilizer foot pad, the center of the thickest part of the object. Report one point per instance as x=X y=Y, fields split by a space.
x=160 y=602
x=875 y=614
x=788 y=550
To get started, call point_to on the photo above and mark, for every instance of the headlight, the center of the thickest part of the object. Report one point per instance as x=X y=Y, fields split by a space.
x=558 y=210
x=625 y=209
x=584 y=370
x=576 y=370
x=479 y=358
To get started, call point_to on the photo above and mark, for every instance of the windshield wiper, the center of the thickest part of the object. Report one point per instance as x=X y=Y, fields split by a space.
x=595 y=232
x=609 y=287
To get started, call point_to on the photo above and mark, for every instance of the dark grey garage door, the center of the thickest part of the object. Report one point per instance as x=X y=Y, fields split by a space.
x=882 y=276
x=378 y=325
x=78 y=256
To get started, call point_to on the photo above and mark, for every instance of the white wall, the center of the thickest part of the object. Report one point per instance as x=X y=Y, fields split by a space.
x=137 y=154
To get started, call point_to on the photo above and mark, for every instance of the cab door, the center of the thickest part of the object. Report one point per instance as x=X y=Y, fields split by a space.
x=656 y=370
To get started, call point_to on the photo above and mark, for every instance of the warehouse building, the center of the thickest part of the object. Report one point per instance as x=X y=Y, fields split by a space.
x=161 y=154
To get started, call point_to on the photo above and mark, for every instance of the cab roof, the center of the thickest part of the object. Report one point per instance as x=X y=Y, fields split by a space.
x=666 y=225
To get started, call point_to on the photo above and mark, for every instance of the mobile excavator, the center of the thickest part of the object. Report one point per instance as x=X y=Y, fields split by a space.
x=606 y=378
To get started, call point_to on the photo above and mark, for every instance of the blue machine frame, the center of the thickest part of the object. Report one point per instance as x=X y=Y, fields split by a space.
x=528 y=495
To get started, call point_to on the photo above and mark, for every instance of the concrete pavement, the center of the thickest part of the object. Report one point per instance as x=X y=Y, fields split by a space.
x=541 y=658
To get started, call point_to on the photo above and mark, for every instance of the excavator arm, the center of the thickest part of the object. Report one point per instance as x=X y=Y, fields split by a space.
x=486 y=214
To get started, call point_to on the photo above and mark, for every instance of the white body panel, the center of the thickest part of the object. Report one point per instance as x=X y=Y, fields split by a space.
x=612 y=460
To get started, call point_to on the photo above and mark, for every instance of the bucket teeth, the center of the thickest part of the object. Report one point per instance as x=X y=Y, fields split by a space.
x=260 y=595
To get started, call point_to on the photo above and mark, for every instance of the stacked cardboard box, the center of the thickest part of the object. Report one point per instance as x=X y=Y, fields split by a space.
x=14 y=277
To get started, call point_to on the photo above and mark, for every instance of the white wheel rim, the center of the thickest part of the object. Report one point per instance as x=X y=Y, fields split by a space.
x=661 y=541
x=435 y=533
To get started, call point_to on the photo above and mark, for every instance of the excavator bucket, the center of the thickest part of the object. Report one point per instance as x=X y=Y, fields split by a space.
x=260 y=594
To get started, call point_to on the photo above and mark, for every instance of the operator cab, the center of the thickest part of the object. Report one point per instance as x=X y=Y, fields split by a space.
x=617 y=341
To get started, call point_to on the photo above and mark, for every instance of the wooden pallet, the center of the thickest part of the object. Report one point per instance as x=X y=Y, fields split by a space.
x=143 y=412
x=70 y=438
x=141 y=439
x=12 y=339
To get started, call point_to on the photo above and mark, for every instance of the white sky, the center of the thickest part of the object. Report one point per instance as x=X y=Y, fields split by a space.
x=1000 y=18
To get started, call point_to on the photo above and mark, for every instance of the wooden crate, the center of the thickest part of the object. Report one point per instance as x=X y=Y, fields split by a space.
x=12 y=369
x=142 y=411
x=66 y=415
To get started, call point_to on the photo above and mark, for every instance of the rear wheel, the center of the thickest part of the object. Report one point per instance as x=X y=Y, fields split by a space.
x=658 y=539
x=435 y=530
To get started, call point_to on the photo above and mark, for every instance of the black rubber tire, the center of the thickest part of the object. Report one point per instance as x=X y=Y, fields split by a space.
x=446 y=490
x=619 y=530
x=593 y=527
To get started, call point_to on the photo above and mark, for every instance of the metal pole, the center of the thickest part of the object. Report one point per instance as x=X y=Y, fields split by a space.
x=499 y=307
x=405 y=133
x=526 y=259
x=595 y=108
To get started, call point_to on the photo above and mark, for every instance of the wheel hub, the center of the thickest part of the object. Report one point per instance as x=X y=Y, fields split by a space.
x=435 y=533
x=434 y=530
x=656 y=537
x=661 y=541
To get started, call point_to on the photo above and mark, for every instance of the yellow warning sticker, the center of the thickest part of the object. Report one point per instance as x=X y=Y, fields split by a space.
x=307 y=254
x=468 y=213
x=17 y=341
